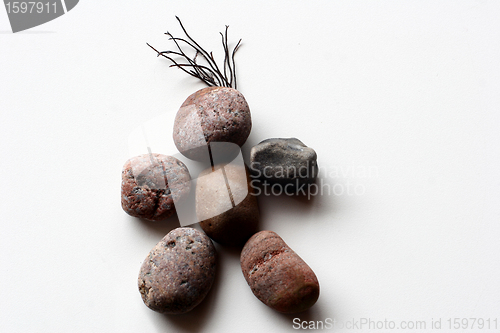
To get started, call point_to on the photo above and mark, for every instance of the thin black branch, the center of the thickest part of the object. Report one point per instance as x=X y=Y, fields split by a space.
x=210 y=74
x=234 y=66
x=172 y=60
x=198 y=51
x=227 y=64
x=212 y=63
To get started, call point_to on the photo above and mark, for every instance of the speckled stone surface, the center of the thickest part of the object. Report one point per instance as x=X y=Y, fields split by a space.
x=284 y=161
x=277 y=275
x=178 y=272
x=213 y=114
x=224 y=222
x=151 y=184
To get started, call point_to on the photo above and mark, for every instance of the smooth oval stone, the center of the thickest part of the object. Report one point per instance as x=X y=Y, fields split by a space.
x=284 y=161
x=277 y=275
x=151 y=183
x=213 y=114
x=178 y=272
x=231 y=216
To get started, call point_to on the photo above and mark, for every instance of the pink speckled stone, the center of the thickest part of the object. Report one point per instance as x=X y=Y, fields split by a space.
x=151 y=184
x=213 y=114
x=277 y=275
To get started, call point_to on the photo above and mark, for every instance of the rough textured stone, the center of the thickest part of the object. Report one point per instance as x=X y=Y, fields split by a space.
x=283 y=161
x=151 y=184
x=277 y=275
x=178 y=272
x=213 y=114
x=224 y=222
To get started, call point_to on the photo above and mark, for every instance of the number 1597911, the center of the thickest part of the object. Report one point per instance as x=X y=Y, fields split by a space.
x=34 y=7
x=473 y=323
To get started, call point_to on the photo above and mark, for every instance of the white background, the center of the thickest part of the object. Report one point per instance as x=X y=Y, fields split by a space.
x=398 y=98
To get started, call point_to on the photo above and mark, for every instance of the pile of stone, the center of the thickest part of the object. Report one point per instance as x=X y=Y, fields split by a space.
x=179 y=271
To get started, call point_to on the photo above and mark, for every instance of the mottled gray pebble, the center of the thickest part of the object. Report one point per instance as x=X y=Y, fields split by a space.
x=178 y=272
x=283 y=161
x=213 y=114
x=151 y=183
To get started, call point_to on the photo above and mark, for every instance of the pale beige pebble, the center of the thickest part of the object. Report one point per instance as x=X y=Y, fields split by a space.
x=223 y=222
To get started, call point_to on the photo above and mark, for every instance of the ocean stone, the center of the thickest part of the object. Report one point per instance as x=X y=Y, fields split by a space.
x=178 y=272
x=277 y=275
x=226 y=204
x=213 y=114
x=151 y=183
x=283 y=161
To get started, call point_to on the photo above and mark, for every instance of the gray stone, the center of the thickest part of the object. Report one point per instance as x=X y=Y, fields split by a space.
x=283 y=161
x=178 y=272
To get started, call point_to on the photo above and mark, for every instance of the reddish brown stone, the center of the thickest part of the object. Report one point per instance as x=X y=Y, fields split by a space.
x=151 y=184
x=213 y=114
x=277 y=275
x=178 y=272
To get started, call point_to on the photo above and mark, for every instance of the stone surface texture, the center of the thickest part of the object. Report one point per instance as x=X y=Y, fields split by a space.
x=213 y=114
x=224 y=222
x=277 y=275
x=178 y=272
x=151 y=184
x=284 y=161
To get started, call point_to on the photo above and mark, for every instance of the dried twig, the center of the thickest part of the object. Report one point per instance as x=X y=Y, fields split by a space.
x=209 y=73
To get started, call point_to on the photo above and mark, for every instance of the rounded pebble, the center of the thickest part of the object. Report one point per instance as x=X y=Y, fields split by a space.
x=151 y=183
x=277 y=275
x=213 y=114
x=178 y=272
x=284 y=161
x=228 y=216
